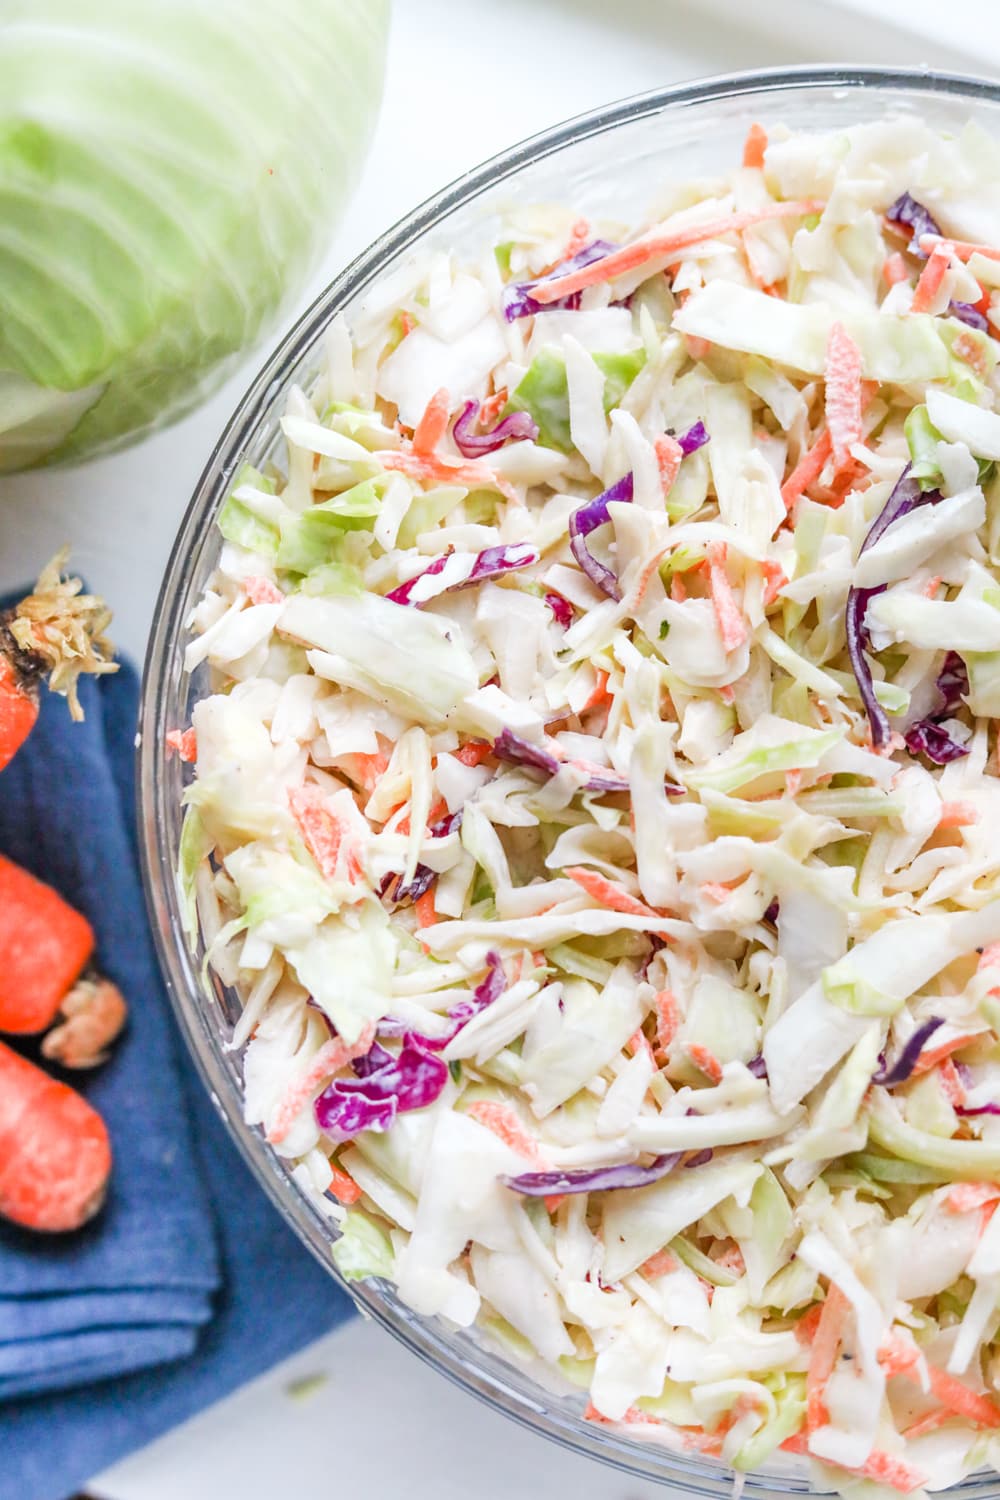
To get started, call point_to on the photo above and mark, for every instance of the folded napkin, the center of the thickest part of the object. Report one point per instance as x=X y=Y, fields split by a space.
x=188 y=1283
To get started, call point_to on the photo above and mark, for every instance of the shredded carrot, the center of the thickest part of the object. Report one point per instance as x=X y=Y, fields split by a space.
x=754 y=146
x=964 y=1197
x=990 y=957
x=184 y=742
x=433 y=469
x=669 y=454
x=843 y=394
x=665 y=247
x=886 y=1468
x=823 y=1357
x=639 y=1042
x=262 y=591
x=433 y=424
x=797 y=1443
x=660 y=1264
x=646 y=572
x=600 y=694
x=930 y=588
x=578 y=237
x=899 y=1358
x=715 y=890
x=757 y=276
x=968 y=348
x=604 y=891
x=929 y=1423
x=964 y=249
x=775 y=579
x=895 y=269
x=951 y=1083
x=732 y=626
x=678 y=590
x=331 y=1057
x=929 y=1060
x=731 y=1259
x=343 y=1187
x=705 y=1061
x=325 y=834
x=957 y=815
x=697 y=348
x=805 y=1328
x=491 y=408
x=504 y=1123
x=807 y=470
x=473 y=752
x=407 y=323
x=633 y=1416
x=367 y=770
x=727 y=693
x=425 y=909
x=668 y=1019
x=932 y=276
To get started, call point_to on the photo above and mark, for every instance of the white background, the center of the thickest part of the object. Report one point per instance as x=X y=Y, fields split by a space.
x=466 y=78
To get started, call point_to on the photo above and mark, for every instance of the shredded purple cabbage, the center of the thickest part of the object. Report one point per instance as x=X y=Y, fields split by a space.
x=773 y=912
x=979 y=1109
x=587 y=519
x=952 y=683
x=515 y=427
x=518 y=301
x=757 y=1066
x=592 y=1180
x=906 y=496
x=561 y=609
x=906 y=210
x=490 y=563
x=968 y=313
x=700 y=1158
x=928 y=736
x=696 y=437
x=902 y=1068
x=385 y=1088
x=515 y=751
x=486 y=992
x=423 y=876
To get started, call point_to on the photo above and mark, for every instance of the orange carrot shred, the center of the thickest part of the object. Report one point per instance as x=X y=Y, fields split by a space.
x=600 y=694
x=957 y=815
x=669 y=454
x=425 y=909
x=775 y=579
x=705 y=1061
x=433 y=424
x=473 y=473
x=898 y=1358
x=843 y=394
x=473 y=752
x=343 y=1187
x=929 y=1060
x=606 y=893
x=660 y=1264
x=966 y=1196
x=262 y=591
x=990 y=957
x=951 y=1083
x=665 y=247
x=639 y=1042
x=932 y=276
x=805 y=1328
x=668 y=1019
x=895 y=269
x=184 y=742
x=732 y=626
x=964 y=249
x=823 y=1357
x=807 y=470
x=324 y=833
x=754 y=146
x=504 y=1123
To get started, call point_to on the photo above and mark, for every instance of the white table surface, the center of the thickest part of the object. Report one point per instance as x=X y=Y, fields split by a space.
x=465 y=79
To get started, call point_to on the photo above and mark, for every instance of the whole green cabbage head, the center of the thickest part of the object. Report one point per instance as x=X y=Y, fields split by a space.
x=169 y=172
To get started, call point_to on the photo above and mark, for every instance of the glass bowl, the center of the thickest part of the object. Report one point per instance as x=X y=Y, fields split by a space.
x=610 y=162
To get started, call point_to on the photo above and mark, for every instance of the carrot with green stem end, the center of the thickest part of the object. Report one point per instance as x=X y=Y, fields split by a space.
x=45 y=949
x=56 y=632
x=55 y=1156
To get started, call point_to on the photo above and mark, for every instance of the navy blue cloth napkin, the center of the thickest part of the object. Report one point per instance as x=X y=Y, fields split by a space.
x=188 y=1283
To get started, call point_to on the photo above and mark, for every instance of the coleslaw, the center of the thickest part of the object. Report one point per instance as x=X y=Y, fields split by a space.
x=593 y=800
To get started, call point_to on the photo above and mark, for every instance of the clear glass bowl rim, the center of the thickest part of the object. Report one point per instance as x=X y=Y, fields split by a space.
x=692 y=1476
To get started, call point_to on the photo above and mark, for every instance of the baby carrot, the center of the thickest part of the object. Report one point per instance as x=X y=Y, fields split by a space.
x=55 y=1156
